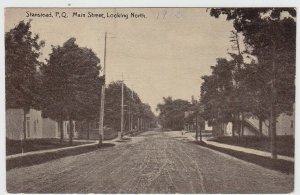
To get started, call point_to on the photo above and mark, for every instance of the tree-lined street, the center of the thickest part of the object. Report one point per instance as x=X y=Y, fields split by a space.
x=150 y=163
x=222 y=75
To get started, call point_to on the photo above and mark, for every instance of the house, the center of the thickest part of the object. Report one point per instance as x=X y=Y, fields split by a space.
x=37 y=127
x=285 y=125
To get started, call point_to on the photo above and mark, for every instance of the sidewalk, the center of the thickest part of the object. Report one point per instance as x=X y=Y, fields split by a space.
x=93 y=142
x=41 y=156
x=191 y=136
x=248 y=150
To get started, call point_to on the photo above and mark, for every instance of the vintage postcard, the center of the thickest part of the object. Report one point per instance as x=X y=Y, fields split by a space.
x=150 y=100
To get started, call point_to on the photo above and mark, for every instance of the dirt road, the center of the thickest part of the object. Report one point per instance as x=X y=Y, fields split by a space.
x=150 y=163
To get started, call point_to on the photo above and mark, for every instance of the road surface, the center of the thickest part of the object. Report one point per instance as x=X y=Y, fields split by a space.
x=149 y=163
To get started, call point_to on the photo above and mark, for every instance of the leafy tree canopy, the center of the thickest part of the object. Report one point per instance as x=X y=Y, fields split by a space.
x=72 y=86
x=22 y=50
x=132 y=104
x=172 y=112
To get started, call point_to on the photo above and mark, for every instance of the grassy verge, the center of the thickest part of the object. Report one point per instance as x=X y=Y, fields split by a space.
x=34 y=159
x=278 y=165
x=284 y=144
x=15 y=146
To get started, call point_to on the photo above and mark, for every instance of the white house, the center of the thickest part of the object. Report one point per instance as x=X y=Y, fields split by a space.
x=285 y=125
x=207 y=127
x=36 y=126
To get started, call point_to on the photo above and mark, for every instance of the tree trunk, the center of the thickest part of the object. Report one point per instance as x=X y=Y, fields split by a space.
x=71 y=131
x=273 y=99
x=260 y=128
x=196 y=135
x=233 y=128
x=200 y=132
x=25 y=111
x=242 y=124
x=235 y=125
x=269 y=129
x=239 y=125
x=273 y=133
x=61 y=129
x=88 y=130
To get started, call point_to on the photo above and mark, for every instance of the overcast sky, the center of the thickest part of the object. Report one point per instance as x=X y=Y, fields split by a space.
x=164 y=54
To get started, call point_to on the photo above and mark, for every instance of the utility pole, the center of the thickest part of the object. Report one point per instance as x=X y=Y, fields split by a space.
x=195 y=112
x=101 y=130
x=238 y=116
x=130 y=114
x=22 y=144
x=273 y=99
x=241 y=121
x=197 y=130
x=138 y=123
x=122 y=110
x=200 y=132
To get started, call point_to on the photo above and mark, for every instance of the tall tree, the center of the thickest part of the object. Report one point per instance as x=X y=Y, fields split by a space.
x=257 y=98
x=72 y=85
x=22 y=50
x=218 y=93
x=270 y=35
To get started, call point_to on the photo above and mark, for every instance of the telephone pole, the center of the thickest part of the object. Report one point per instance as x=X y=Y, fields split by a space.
x=130 y=112
x=273 y=98
x=129 y=116
x=122 y=110
x=101 y=130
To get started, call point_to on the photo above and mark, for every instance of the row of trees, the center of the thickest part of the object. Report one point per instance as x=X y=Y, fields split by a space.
x=66 y=87
x=175 y=114
x=136 y=113
x=171 y=112
x=264 y=87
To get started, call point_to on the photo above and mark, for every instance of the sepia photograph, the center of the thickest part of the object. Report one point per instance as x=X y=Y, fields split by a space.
x=188 y=100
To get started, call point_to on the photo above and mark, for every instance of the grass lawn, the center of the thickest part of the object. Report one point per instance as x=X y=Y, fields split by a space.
x=284 y=144
x=14 y=146
x=274 y=164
